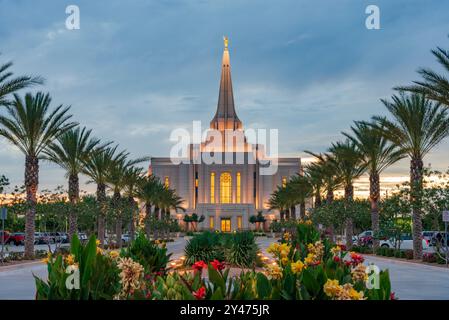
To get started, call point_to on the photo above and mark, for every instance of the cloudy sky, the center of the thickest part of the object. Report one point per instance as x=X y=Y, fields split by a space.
x=135 y=71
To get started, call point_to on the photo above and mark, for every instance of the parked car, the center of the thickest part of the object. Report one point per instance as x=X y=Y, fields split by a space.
x=406 y=243
x=18 y=238
x=82 y=236
x=438 y=238
x=126 y=238
x=4 y=235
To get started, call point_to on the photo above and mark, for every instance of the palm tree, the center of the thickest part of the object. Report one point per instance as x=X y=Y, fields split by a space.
x=314 y=174
x=278 y=201
x=116 y=178
x=96 y=167
x=418 y=125
x=148 y=191
x=298 y=189
x=131 y=180
x=377 y=155
x=348 y=163
x=325 y=167
x=10 y=84
x=70 y=152
x=434 y=86
x=32 y=127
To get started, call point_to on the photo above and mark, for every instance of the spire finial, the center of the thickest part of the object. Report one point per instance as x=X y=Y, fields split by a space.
x=225 y=40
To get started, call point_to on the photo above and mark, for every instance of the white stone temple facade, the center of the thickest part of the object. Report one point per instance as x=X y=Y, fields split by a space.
x=227 y=193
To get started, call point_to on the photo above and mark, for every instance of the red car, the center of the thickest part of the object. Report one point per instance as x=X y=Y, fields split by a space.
x=17 y=238
x=6 y=235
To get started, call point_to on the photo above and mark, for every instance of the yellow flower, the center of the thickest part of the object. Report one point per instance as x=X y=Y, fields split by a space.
x=308 y=222
x=287 y=236
x=332 y=288
x=97 y=242
x=273 y=248
x=284 y=249
x=114 y=254
x=99 y=250
x=351 y=294
x=284 y=261
x=274 y=271
x=47 y=259
x=336 y=250
x=70 y=259
x=297 y=266
x=310 y=259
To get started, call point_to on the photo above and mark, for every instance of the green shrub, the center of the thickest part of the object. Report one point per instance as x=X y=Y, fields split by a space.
x=206 y=246
x=241 y=250
x=152 y=257
x=238 y=248
x=408 y=254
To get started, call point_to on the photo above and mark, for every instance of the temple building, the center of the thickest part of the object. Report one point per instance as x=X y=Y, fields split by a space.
x=236 y=183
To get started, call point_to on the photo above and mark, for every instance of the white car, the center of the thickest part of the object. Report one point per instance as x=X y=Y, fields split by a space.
x=405 y=244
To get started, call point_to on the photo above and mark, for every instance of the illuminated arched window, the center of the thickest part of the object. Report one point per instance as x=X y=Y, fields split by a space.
x=167 y=182
x=225 y=187
x=212 y=187
x=238 y=187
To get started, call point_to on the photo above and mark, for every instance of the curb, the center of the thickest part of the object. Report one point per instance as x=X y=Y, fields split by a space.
x=18 y=266
x=418 y=264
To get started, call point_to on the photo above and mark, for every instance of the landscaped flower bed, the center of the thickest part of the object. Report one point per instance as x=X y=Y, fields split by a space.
x=304 y=268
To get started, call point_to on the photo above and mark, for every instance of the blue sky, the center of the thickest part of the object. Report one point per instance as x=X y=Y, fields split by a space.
x=135 y=71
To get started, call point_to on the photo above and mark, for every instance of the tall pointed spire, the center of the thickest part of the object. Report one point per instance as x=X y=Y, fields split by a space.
x=225 y=117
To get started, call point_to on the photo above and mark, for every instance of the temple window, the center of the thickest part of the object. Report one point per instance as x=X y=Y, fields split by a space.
x=212 y=187
x=238 y=187
x=225 y=187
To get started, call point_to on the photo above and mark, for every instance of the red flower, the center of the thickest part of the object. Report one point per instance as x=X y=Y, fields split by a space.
x=337 y=259
x=200 y=293
x=199 y=265
x=356 y=258
x=217 y=265
x=392 y=296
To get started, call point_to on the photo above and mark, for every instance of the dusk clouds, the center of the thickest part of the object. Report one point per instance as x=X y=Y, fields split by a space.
x=138 y=69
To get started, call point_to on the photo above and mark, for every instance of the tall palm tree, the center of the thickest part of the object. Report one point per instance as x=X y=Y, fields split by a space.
x=116 y=179
x=10 y=84
x=348 y=162
x=378 y=153
x=315 y=175
x=418 y=125
x=298 y=190
x=278 y=201
x=148 y=191
x=325 y=167
x=434 y=86
x=70 y=152
x=131 y=181
x=31 y=126
x=96 y=167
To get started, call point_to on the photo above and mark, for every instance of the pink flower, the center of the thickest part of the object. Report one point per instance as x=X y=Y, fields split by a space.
x=392 y=296
x=200 y=293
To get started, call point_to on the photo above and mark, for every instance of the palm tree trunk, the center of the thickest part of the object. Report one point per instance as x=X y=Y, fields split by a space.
x=416 y=181
x=317 y=199
x=101 y=198
x=148 y=219
x=156 y=212
x=282 y=215
x=349 y=196
x=31 y=185
x=119 y=221
x=302 y=210
x=374 y=196
x=132 y=226
x=329 y=196
x=293 y=212
x=74 y=191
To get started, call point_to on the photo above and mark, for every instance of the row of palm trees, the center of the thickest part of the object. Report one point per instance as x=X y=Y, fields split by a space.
x=418 y=121
x=40 y=132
